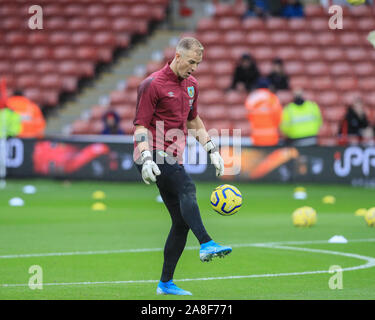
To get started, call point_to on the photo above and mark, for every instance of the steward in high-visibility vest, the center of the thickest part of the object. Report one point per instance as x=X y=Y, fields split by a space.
x=33 y=123
x=301 y=121
x=264 y=115
x=10 y=123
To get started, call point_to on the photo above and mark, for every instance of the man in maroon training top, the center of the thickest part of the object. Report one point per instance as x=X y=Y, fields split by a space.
x=166 y=110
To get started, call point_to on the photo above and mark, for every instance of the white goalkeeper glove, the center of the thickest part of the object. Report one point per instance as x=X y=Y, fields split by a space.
x=215 y=156
x=149 y=168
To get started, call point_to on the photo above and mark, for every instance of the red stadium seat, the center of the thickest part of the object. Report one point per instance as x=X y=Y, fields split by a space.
x=345 y=83
x=237 y=112
x=210 y=97
x=229 y=24
x=222 y=68
x=281 y=38
x=312 y=10
x=341 y=69
x=304 y=39
x=327 y=38
x=356 y=54
x=253 y=24
x=364 y=69
x=321 y=83
x=276 y=24
x=350 y=39
x=317 y=68
x=318 y=24
x=244 y=126
x=50 y=81
x=257 y=38
x=333 y=54
x=367 y=84
x=211 y=38
x=329 y=129
x=333 y=113
x=366 y=24
x=125 y=111
x=311 y=54
x=223 y=82
x=294 y=68
x=263 y=53
x=207 y=24
x=302 y=82
x=80 y=127
x=127 y=126
x=24 y=67
x=235 y=98
x=234 y=38
x=214 y=112
x=216 y=53
x=285 y=96
x=287 y=53
x=298 y=25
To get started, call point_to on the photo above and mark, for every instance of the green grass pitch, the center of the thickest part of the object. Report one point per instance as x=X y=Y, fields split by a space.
x=117 y=253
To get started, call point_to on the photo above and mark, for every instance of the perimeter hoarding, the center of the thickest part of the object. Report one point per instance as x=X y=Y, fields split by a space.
x=112 y=159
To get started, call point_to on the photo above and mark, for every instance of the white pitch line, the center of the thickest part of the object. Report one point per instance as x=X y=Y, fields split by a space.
x=370 y=262
x=244 y=245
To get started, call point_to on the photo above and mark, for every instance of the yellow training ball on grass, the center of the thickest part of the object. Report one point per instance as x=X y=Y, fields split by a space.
x=370 y=217
x=356 y=2
x=304 y=217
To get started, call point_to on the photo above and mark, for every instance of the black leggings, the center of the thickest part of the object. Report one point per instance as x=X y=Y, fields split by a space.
x=178 y=192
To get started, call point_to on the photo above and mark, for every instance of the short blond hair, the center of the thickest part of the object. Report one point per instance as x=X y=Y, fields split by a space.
x=189 y=43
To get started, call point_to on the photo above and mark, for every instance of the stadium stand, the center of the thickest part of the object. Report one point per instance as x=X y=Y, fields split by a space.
x=76 y=37
x=332 y=66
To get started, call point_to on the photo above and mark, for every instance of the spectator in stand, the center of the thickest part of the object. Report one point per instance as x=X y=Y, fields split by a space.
x=263 y=8
x=264 y=115
x=246 y=72
x=112 y=123
x=33 y=122
x=301 y=121
x=292 y=9
x=356 y=123
x=277 y=78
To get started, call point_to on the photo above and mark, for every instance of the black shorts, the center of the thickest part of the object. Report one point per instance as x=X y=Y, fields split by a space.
x=173 y=177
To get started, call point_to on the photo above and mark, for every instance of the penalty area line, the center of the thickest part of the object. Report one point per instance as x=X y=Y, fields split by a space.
x=370 y=262
x=92 y=252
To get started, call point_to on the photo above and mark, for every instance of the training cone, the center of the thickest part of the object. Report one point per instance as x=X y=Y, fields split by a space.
x=98 y=195
x=99 y=206
x=300 y=193
x=16 y=202
x=329 y=200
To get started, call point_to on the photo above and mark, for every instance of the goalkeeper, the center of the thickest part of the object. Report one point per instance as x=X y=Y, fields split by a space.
x=166 y=108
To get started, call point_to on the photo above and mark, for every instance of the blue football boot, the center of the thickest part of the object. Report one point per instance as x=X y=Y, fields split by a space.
x=170 y=288
x=211 y=249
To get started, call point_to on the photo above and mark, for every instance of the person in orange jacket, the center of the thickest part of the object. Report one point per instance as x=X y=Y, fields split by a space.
x=33 y=122
x=264 y=115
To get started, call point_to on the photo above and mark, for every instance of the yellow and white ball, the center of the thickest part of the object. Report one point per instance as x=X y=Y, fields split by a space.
x=370 y=217
x=304 y=217
x=226 y=200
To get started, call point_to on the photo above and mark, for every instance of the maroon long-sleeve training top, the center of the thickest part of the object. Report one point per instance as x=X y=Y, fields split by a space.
x=164 y=104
